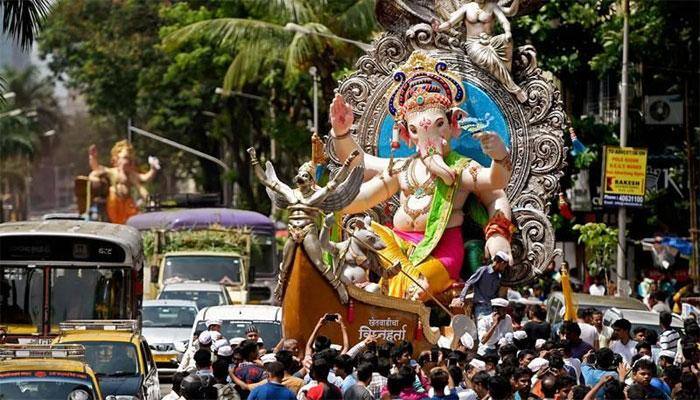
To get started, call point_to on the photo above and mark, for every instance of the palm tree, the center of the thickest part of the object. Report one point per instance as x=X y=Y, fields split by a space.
x=262 y=42
x=22 y=19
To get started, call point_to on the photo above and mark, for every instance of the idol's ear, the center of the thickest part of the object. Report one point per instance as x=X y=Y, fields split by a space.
x=455 y=115
x=402 y=130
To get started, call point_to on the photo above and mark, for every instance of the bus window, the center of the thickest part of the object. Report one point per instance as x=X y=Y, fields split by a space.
x=103 y=293
x=223 y=269
x=21 y=297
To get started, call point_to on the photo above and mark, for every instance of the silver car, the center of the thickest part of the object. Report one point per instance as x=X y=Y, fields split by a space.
x=164 y=324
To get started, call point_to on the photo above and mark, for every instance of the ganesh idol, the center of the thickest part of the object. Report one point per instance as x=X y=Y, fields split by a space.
x=122 y=177
x=432 y=184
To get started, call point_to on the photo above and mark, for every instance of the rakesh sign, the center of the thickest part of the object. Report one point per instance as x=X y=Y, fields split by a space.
x=624 y=176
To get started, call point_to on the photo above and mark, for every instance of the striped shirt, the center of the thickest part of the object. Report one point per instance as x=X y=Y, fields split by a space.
x=669 y=340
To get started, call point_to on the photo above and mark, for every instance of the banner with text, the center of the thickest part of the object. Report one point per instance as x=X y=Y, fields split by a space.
x=624 y=176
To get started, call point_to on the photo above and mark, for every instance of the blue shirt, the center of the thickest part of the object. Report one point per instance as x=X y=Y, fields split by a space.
x=348 y=382
x=591 y=376
x=486 y=283
x=271 y=390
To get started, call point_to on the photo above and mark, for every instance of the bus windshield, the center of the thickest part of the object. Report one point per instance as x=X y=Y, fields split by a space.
x=222 y=269
x=41 y=386
x=75 y=293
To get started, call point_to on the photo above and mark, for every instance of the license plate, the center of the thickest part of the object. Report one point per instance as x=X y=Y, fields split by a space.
x=38 y=340
x=163 y=358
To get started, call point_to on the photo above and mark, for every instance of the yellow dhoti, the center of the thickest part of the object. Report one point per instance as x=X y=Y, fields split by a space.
x=398 y=249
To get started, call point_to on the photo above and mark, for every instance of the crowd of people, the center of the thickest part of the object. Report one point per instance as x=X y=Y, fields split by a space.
x=515 y=353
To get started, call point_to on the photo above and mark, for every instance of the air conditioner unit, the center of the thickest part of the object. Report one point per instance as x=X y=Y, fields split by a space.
x=663 y=110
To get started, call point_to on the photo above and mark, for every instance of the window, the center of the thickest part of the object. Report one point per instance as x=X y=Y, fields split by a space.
x=225 y=270
x=21 y=295
x=168 y=316
x=43 y=387
x=112 y=358
x=81 y=293
x=270 y=332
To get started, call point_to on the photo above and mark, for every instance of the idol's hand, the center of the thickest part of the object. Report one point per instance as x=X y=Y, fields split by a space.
x=492 y=145
x=341 y=116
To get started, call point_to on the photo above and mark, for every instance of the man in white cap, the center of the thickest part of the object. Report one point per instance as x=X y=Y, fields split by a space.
x=495 y=327
x=187 y=364
x=214 y=325
x=486 y=282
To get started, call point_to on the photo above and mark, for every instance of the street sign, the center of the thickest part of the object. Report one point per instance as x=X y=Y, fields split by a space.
x=624 y=176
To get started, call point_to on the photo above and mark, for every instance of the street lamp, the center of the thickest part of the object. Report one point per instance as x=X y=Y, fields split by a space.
x=314 y=74
x=226 y=93
x=292 y=27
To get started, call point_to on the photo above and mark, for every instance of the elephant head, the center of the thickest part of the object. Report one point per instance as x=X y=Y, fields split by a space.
x=425 y=105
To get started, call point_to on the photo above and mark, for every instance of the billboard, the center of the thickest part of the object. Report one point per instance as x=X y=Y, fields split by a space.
x=624 y=176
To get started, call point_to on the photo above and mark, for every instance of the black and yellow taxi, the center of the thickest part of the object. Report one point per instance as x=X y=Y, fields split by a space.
x=119 y=355
x=46 y=372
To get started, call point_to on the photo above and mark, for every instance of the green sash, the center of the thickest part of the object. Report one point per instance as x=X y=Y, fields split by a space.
x=440 y=209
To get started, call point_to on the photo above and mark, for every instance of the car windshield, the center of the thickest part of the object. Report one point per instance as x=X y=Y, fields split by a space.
x=111 y=358
x=168 y=316
x=45 y=385
x=270 y=332
x=203 y=298
x=225 y=270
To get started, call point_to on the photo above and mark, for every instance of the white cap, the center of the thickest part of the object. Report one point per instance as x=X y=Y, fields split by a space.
x=268 y=358
x=224 y=351
x=218 y=344
x=477 y=364
x=204 y=338
x=667 y=353
x=236 y=341
x=467 y=340
x=502 y=255
x=539 y=343
x=215 y=335
x=499 y=302
x=444 y=342
x=211 y=322
x=537 y=363
x=520 y=335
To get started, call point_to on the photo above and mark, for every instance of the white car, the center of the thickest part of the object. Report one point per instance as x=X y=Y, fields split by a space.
x=164 y=323
x=236 y=318
x=645 y=319
x=205 y=294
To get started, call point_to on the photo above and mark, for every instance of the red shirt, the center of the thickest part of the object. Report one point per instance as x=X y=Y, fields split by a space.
x=316 y=392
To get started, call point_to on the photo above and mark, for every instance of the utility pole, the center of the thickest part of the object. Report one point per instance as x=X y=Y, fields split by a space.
x=622 y=211
x=692 y=188
x=314 y=75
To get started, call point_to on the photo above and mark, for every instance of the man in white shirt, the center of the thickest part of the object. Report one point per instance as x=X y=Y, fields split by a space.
x=492 y=329
x=625 y=346
x=589 y=333
x=604 y=332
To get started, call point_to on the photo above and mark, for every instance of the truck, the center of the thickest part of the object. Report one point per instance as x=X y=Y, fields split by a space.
x=221 y=245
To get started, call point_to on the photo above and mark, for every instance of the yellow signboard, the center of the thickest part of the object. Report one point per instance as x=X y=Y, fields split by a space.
x=624 y=176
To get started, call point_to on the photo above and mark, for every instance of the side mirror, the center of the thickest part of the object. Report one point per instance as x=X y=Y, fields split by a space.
x=180 y=347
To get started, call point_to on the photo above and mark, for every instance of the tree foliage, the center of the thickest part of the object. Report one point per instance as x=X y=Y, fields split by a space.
x=601 y=242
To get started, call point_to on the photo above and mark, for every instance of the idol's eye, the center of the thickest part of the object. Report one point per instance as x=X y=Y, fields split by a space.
x=440 y=123
x=413 y=129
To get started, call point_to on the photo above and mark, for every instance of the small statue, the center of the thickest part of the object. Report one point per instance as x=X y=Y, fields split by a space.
x=304 y=205
x=493 y=53
x=122 y=176
x=356 y=256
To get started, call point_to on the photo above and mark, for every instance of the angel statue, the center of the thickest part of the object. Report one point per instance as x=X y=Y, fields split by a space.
x=492 y=53
x=304 y=205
